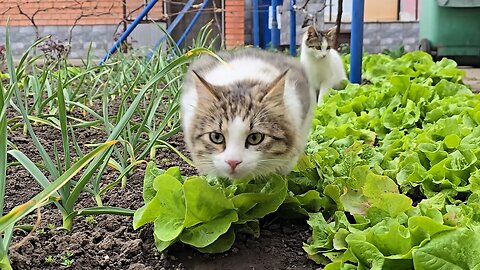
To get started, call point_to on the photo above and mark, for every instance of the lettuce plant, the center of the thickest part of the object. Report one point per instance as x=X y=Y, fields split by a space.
x=390 y=178
x=202 y=212
x=398 y=161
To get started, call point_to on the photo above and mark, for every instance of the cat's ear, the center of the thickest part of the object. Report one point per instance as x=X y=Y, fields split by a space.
x=311 y=31
x=330 y=33
x=277 y=87
x=204 y=88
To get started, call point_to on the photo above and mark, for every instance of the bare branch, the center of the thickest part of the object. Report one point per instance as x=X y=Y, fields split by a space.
x=31 y=19
x=218 y=22
x=86 y=15
x=305 y=5
x=310 y=16
x=125 y=20
x=339 y=23
x=7 y=10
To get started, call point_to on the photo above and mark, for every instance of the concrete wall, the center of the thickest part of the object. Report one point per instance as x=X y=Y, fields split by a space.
x=380 y=36
x=100 y=36
x=145 y=35
x=387 y=35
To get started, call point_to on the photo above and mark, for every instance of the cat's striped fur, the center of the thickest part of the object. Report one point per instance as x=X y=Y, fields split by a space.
x=248 y=117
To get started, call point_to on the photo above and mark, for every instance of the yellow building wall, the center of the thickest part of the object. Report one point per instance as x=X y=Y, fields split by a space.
x=381 y=10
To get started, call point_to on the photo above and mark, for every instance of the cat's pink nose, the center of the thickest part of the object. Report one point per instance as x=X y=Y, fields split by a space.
x=233 y=163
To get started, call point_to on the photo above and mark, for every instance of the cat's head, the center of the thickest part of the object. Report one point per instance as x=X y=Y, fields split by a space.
x=317 y=42
x=239 y=130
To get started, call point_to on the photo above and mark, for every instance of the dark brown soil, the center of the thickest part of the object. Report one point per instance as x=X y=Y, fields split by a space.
x=109 y=242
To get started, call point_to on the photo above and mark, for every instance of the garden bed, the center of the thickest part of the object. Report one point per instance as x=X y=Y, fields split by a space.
x=390 y=178
x=109 y=242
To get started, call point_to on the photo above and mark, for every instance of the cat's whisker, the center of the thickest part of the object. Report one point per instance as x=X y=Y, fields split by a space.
x=202 y=110
x=271 y=160
x=204 y=157
x=265 y=122
x=203 y=163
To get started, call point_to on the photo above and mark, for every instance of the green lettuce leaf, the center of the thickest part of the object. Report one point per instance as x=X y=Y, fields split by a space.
x=454 y=249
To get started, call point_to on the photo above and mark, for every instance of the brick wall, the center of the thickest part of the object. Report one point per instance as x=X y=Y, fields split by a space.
x=69 y=12
x=234 y=23
x=57 y=16
x=133 y=10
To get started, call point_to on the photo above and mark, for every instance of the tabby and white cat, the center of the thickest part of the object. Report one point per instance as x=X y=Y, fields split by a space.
x=323 y=64
x=247 y=117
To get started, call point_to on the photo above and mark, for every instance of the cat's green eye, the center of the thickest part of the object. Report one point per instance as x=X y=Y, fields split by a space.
x=216 y=138
x=255 y=138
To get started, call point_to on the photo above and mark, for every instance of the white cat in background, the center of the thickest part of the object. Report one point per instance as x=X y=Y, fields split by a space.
x=323 y=64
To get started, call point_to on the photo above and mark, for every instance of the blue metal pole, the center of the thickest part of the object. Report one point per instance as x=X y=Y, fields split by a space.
x=275 y=31
x=356 y=41
x=170 y=28
x=256 y=25
x=192 y=23
x=293 y=28
x=128 y=31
